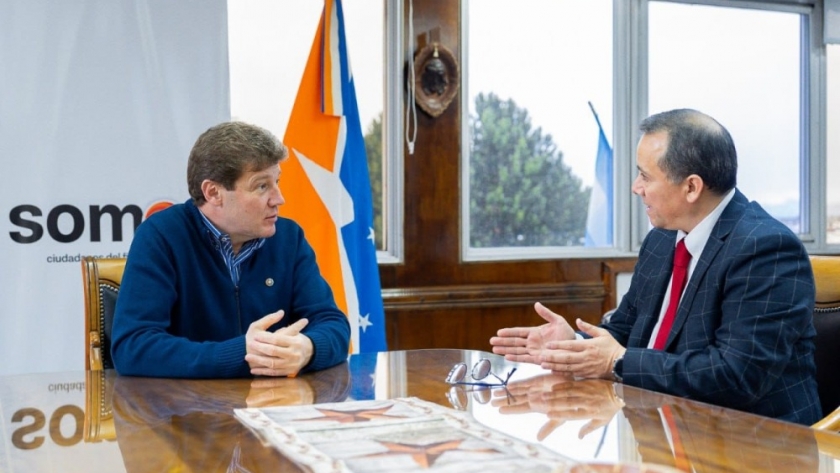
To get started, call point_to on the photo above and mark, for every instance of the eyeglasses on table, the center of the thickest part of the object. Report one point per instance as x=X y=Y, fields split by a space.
x=480 y=370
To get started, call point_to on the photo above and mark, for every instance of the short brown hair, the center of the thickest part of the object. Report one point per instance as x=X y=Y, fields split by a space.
x=226 y=151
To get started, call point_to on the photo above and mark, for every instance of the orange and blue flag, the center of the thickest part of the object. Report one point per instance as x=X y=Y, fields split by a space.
x=326 y=183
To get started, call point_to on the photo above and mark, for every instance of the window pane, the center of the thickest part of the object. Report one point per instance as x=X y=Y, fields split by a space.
x=269 y=45
x=533 y=139
x=742 y=67
x=833 y=145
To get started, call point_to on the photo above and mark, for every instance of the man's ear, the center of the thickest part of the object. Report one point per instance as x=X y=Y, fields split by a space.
x=694 y=187
x=212 y=192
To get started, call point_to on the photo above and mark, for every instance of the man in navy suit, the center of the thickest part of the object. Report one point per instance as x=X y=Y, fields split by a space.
x=742 y=335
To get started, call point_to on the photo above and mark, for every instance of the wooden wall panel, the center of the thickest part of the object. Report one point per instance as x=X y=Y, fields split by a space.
x=466 y=316
x=433 y=299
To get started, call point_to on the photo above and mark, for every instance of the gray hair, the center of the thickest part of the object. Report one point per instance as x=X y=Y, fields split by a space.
x=697 y=144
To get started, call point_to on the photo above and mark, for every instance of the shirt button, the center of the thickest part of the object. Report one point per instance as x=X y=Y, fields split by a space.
x=269 y=282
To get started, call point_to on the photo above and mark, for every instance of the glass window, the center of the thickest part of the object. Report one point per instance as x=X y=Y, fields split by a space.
x=531 y=140
x=742 y=67
x=269 y=44
x=833 y=145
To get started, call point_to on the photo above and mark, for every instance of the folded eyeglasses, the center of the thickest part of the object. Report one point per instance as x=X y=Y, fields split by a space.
x=480 y=371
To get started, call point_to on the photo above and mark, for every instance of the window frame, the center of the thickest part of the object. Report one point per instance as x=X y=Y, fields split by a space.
x=392 y=139
x=630 y=100
x=812 y=150
x=620 y=218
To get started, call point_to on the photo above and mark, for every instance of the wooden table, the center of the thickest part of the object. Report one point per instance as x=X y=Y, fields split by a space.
x=99 y=422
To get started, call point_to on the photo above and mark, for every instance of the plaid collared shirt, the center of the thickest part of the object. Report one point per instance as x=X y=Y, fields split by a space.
x=222 y=243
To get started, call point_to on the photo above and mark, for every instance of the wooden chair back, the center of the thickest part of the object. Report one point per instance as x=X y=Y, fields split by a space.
x=101 y=278
x=827 y=323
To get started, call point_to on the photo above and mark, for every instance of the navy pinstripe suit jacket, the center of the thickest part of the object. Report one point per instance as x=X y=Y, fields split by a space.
x=743 y=336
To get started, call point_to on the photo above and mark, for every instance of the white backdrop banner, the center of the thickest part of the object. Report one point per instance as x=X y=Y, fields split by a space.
x=51 y=434
x=100 y=103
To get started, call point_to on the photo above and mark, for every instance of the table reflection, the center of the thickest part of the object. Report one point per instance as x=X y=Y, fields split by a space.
x=660 y=429
x=700 y=438
x=177 y=425
x=561 y=399
x=144 y=424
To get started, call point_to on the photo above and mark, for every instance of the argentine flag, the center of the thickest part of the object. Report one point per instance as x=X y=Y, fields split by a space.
x=326 y=183
x=599 y=220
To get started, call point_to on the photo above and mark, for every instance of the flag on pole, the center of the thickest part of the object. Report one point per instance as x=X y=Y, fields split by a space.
x=599 y=220
x=326 y=182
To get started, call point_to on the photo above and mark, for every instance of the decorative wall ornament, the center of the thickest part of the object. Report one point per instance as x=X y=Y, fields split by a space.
x=436 y=78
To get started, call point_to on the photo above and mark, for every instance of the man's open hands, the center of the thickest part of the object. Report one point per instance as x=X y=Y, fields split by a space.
x=524 y=344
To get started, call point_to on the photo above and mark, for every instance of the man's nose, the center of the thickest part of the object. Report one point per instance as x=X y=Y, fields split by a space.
x=277 y=197
x=636 y=188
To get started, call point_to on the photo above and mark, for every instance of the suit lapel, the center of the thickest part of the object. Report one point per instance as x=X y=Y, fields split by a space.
x=660 y=261
x=720 y=231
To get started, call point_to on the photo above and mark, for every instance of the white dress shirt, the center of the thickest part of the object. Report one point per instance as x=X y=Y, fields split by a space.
x=694 y=243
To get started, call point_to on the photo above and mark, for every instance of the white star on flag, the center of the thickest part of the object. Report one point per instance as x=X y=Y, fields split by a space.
x=364 y=322
x=339 y=204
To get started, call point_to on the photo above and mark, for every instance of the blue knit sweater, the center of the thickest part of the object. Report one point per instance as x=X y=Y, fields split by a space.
x=179 y=314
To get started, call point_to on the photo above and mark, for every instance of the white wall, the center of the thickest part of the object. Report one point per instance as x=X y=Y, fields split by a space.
x=100 y=104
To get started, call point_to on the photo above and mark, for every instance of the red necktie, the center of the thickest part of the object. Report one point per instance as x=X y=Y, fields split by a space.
x=681 y=259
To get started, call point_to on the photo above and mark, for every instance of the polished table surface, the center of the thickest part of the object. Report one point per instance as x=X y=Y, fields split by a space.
x=98 y=421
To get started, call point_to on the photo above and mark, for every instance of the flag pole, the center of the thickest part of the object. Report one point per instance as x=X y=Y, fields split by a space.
x=597 y=120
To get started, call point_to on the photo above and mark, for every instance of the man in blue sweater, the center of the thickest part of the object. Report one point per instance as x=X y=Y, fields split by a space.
x=220 y=286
